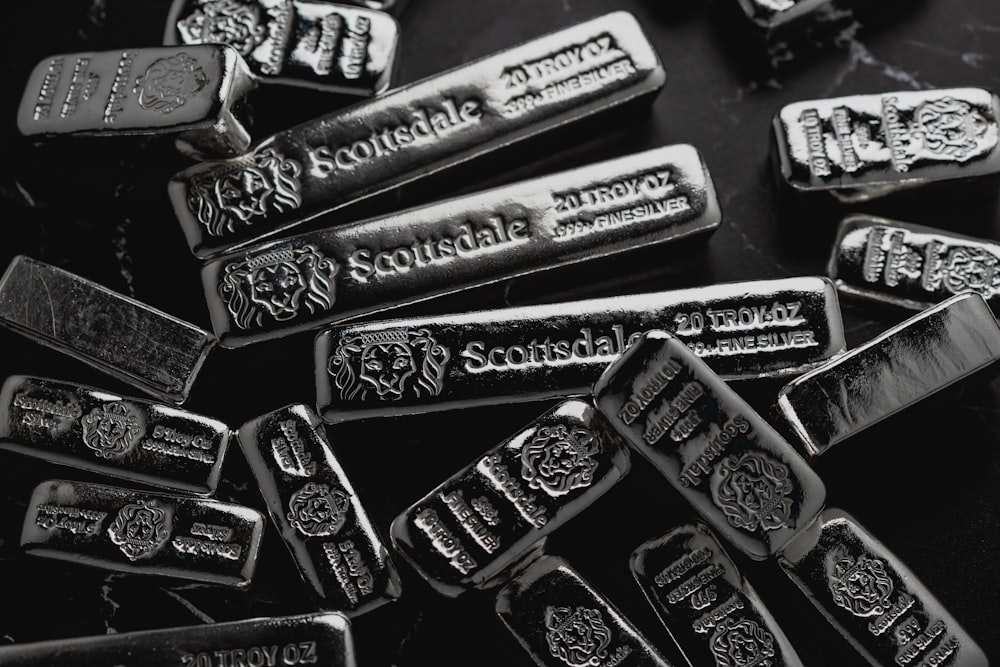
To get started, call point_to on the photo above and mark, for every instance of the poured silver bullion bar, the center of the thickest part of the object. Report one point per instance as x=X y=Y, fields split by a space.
x=143 y=533
x=713 y=614
x=900 y=367
x=561 y=620
x=323 y=640
x=910 y=265
x=315 y=43
x=730 y=464
x=873 y=599
x=378 y=144
x=312 y=502
x=339 y=273
x=91 y=429
x=125 y=338
x=867 y=146
x=186 y=91
x=472 y=529
x=743 y=330
x=775 y=15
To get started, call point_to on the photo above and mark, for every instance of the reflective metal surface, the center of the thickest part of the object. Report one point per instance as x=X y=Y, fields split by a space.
x=730 y=464
x=773 y=15
x=394 y=6
x=336 y=548
x=91 y=429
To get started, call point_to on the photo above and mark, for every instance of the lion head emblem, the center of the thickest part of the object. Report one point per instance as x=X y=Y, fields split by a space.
x=949 y=128
x=223 y=22
x=742 y=643
x=170 y=82
x=859 y=585
x=560 y=458
x=972 y=270
x=140 y=529
x=578 y=637
x=112 y=430
x=388 y=364
x=318 y=509
x=752 y=490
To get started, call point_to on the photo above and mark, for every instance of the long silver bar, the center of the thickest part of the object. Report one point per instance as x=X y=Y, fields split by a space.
x=125 y=338
x=731 y=465
x=873 y=599
x=767 y=328
x=868 y=146
x=560 y=620
x=898 y=368
x=91 y=429
x=910 y=265
x=139 y=532
x=188 y=92
x=310 y=499
x=324 y=640
x=416 y=130
x=475 y=527
x=316 y=44
x=713 y=614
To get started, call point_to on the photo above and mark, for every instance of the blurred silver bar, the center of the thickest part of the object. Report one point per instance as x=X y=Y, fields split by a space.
x=393 y=6
x=773 y=16
x=125 y=338
x=766 y=328
x=873 y=599
x=375 y=145
x=730 y=464
x=900 y=367
x=91 y=429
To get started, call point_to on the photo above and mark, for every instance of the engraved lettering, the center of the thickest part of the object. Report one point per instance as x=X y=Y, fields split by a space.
x=47 y=92
x=491 y=466
x=444 y=541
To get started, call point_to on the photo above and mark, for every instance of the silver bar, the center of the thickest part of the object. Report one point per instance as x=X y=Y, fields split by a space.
x=910 y=265
x=900 y=367
x=772 y=16
x=484 y=520
x=316 y=44
x=766 y=328
x=393 y=6
x=868 y=146
x=710 y=610
x=324 y=640
x=373 y=146
x=125 y=338
x=188 y=92
x=560 y=620
x=139 y=532
x=730 y=464
x=873 y=599
x=91 y=429
x=310 y=499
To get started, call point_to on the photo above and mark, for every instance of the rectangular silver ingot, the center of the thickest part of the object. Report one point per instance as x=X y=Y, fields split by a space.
x=315 y=508
x=189 y=92
x=91 y=429
x=125 y=338
x=416 y=130
x=336 y=274
x=317 y=44
x=731 y=465
x=560 y=620
x=900 y=367
x=873 y=599
x=743 y=330
x=472 y=529
x=323 y=640
x=910 y=265
x=867 y=146
x=139 y=532
x=705 y=603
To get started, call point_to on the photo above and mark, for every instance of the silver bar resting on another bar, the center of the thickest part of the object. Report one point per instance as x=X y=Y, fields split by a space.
x=147 y=348
x=873 y=599
x=416 y=130
x=902 y=366
x=91 y=429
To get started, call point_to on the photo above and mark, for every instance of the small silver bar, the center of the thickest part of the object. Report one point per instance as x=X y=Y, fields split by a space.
x=775 y=16
x=188 y=92
x=147 y=348
x=474 y=528
x=91 y=429
x=139 y=532
x=731 y=465
x=336 y=548
x=910 y=265
x=560 y=620
x=873 y=599
x=900 y=367
x=324 y=640
x=437 y=123
x=765 y=328
x=713 y=614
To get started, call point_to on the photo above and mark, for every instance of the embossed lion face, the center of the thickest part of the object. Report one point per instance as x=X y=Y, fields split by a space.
x=743 y=646
x=387 y=367
x=244 y=193
x=236 y=29
x=169 y=82
x=973 y=269
x=950 y=127
x=142 y=526
x=861 y=585
x=560 y=459
x=319 y=509
x=579 y=635
x=753 y=489
x=278 y=288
